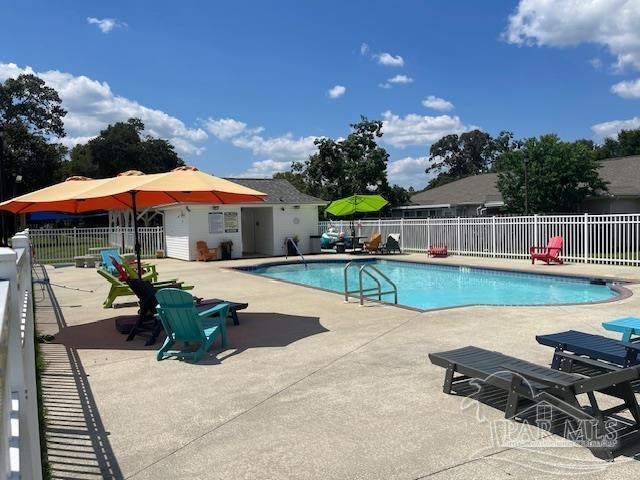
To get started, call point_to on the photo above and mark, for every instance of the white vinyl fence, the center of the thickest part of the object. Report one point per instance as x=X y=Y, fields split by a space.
x=61 y=245
x=609 y=239
x=19 y=429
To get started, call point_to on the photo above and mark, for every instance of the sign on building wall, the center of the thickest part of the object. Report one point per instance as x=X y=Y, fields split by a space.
x=231 y=222
x=216 y=222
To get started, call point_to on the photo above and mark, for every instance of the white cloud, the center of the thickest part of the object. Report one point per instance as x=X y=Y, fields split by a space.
x=400 y=79
x=408 y=172
x=627 y=89
x=91 y=106
x=559 y=23
x=387 y=59
x=437 y=103
x=414 y=129
x=265 y=169
x=397 y=80
x=105 y=24
x=224 y=128
x=611 y=129
x=285 y=147
x=337 y=91
x=364 y=49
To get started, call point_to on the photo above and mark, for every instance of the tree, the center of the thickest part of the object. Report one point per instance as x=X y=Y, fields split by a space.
x=627 y=143
x=30 y=116
x=30 y=119
x=121 y=147
x=560 y=175
x=457 y=156
x=340 y=168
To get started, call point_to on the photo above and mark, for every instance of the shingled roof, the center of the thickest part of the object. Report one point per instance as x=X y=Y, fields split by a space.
x=279 y=191
x=621 y=174
x=475 y=190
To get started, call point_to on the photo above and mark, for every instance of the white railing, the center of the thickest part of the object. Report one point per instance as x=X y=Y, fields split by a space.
x=62 y=245
x=19 y=430
x=608 y=239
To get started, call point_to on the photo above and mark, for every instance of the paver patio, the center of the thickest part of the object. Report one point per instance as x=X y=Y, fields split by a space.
x=309 y=387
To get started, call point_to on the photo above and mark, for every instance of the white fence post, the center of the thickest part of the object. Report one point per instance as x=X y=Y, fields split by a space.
x=19 y=432
x=493 y=235
x=535 y=230
x=402 y=233
x=30 y=462
x=585 y=239
x=428 y=233
x=458 y=249
x=12 y=376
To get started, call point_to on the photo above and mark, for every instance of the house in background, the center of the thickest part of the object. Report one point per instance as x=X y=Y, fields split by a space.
x=478 y=195
x=256 y=229
x=467 y=197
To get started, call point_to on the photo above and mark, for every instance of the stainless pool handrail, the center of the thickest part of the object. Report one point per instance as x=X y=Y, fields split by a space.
x=361 y=291
x=295 y=246
x=365 y=269
x=348 y=292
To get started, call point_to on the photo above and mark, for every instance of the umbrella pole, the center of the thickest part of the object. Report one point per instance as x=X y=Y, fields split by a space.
x=135 y=233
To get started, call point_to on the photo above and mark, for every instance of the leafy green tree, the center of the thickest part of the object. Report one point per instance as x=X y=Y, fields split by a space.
x=120 y=147
x=457 y=156
x=30 y=117
x=30 y=122
x=627 y=143
x=340 y=168
x=560 y=175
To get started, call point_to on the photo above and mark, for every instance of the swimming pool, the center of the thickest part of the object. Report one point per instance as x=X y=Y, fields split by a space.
x=428 y=286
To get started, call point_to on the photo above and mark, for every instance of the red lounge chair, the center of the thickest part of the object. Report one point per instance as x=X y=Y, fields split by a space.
x=438 y=251
x=550 y=253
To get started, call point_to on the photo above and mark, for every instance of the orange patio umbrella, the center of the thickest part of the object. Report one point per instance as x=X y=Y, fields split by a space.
x=133 y=190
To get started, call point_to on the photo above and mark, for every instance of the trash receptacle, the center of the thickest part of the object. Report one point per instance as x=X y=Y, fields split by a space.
x=314 y=244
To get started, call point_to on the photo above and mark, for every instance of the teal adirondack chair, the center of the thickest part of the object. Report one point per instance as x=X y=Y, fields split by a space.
x=183 y=323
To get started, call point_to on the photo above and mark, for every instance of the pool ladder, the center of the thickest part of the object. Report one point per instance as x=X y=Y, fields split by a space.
x=369 y=270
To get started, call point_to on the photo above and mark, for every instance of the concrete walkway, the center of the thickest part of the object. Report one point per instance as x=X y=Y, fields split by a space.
x=311 y=387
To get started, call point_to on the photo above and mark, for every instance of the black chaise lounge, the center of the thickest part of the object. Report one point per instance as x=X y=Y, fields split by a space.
x=527 y=381
x=571 y=346
x=233 y=307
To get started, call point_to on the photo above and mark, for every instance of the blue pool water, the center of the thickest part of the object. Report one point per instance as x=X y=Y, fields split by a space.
x=436 y=286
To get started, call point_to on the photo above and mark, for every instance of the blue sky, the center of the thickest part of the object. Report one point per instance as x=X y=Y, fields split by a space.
x=243 y=88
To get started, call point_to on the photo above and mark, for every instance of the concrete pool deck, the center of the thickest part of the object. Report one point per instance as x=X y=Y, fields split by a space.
x=309 y=387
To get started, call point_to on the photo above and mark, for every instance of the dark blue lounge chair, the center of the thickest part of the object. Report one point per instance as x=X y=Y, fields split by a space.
x=523 y=381
x=571 y=343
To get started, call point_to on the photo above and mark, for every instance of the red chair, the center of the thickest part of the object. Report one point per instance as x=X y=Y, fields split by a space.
x=438 y=251
x=548 y=254
x=123 y=276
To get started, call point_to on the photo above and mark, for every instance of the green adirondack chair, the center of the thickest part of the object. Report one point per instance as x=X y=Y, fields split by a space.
x=119 y=288
x=183 y=323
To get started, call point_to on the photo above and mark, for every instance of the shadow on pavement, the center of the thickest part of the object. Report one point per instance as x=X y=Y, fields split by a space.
x=78 y=444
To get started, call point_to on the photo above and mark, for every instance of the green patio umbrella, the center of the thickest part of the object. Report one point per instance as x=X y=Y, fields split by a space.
x=356 y=204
